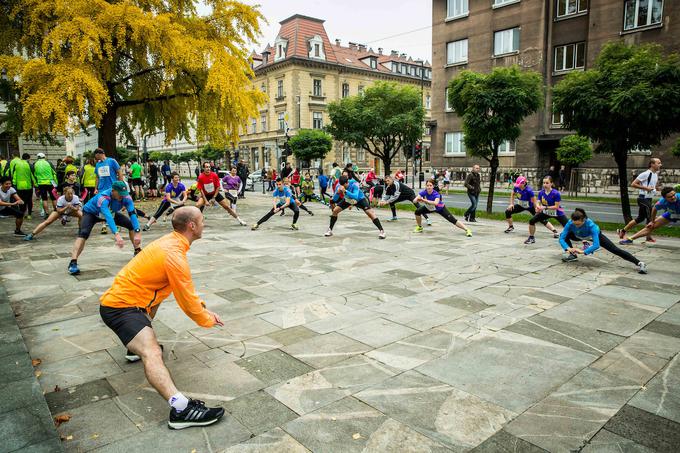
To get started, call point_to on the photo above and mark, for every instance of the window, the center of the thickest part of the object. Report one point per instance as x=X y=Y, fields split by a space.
x=279 y=88
x=315 y=48
x=253 y=126
x=317 y=120
x=454 y=144
x=345 y=90
x=361 y=154
x=280 y=45
x=374 y=63
x=641 y=13
x=507 y=148
x=456 y=8
x=457 y=52
x=506 y=41
x=503 y=2
x=570 y=7
x=345 y=154
x=428 y=102
x=317 y=87
x=557 y=119
x=395 y=67
x=263 y=121
x=282 y=121
x=449 y=107
x=263 y=87
x=404 y=69
x=571 y=56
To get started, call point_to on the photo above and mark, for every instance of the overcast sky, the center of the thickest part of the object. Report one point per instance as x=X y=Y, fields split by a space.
x=371 y=22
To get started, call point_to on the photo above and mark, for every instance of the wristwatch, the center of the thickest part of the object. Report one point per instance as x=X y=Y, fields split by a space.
x=137 y=230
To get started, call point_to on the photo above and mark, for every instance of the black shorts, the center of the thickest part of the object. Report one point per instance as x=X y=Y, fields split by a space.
x=232 y=199
x=8 y=211
x=136 y=182
x=361 y=204
x=45 y=192
x=153 y=184
x=125 y=322
x=218 y=198
x=89 y=220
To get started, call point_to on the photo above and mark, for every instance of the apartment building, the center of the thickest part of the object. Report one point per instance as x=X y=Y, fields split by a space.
x=554 y=38
x=302 y=72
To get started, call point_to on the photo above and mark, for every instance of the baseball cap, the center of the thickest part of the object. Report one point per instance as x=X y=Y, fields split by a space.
x=99 y=151
x=120 y=187
x=41 y=155
x=519 y=181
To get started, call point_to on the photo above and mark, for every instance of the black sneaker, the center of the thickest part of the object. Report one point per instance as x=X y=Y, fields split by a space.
x=19 y=233
x=510 y=229
x=195 y=414
x=530 y=240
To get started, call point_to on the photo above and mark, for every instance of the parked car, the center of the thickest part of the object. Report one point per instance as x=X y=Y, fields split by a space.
x=253 y=179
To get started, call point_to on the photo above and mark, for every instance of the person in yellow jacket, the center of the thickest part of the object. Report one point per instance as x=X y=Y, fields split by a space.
x=88 y=179
x=131 y=303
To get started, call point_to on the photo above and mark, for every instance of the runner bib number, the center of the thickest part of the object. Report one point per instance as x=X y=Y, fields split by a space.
x=523 y=203
x=104 y=171
x=550 y=212
x=282 y=200
x=209 y=188
x=350 y=201
x=675 y=216
x=431 y=207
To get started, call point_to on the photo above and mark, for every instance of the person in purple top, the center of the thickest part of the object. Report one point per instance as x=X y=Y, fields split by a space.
x=175 y=196
x=547 y=207
x=432 y=202
x=523 y=199
x=232 y=182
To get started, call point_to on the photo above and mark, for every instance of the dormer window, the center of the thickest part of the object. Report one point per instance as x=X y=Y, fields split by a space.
x=374 y=63
x=316 y=48
x=281 y=46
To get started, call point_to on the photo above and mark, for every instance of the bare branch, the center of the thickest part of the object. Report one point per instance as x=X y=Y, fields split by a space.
x=136 y=74
x=131 y=102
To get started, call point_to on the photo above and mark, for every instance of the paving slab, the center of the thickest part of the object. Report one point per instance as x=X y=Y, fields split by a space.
x=259 y=412
x=646 y=429
x=273 y=366
x=608 y=442
x=661 y=395
x=324 y=350
x=271 y=441
x=378 y=332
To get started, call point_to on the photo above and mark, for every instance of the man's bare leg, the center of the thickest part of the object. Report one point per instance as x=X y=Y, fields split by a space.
x=145 y=345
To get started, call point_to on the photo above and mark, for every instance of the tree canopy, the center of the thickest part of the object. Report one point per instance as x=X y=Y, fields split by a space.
x=310 y=144
x=384 y=119
x=492 y=107
x=155 y=65
x=574 y=150
x=628 y=100
x=211 y=152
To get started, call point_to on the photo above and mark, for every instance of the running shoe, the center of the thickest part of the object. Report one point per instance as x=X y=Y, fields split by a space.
x=28 y=237
x=569 y=257
x=29 y=217
x=468 y=233
x=586 y=244
x=328 y=233
x=310 y=213
x=73 y=269
x=626 y=242
x=556 y=235
x=530 y=240
x=255 y=227
x=195 y=414
x=428 y=221
x=146 y=227
x=382 y=235
x=105 y=230
x=472 y=220
x=132 y=357
x=509 y=229
x=651 y=240
x=294 y=227
x=64 y=219
x=642 y=268
x=137 y=250
x=621 y=233
x=19 y=233
x=241 y=221
x=418 y=229
x=393 y=219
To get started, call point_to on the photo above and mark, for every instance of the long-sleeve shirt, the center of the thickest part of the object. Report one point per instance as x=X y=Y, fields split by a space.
x=22 y=174
x=231 y=182
x=589 y=230
x=148 y=279
x=104 y=205
x=473 y=183
x=44 y=172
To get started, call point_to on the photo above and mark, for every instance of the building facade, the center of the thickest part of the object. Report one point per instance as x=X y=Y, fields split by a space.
x=302 y=72
x=552 y=37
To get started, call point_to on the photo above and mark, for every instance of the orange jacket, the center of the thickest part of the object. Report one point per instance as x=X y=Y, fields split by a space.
x=159 y=269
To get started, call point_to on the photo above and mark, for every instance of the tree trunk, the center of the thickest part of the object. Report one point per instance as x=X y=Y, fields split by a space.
x=106 y=135
x=386 y=163
x=492 y=181
x=621 y=158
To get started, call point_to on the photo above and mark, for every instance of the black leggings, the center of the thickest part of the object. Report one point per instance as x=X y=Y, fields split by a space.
x=163 y=207
x=292 y=206
x=543 y=218
x=422 y=210
x=608 y=245
x=393 y=205
x=644 y=210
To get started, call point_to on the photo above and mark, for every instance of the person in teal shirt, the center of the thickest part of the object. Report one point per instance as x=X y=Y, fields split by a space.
x=23 y=181
x=136 y=179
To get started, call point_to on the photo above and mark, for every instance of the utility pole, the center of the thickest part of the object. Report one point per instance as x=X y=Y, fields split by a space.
x=420 y=154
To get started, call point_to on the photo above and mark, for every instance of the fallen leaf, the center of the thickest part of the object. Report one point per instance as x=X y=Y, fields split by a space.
x=356 y=436
x=94 y=436
x=57 y=388
x=63 y=418
x=140 y=398
x=36 y=362
x=38 y=373
x=193 y=451
x=69 y=437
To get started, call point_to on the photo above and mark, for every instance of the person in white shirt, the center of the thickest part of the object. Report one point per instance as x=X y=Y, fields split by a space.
x=10 y=204
x=646 y=183
x=68 y=205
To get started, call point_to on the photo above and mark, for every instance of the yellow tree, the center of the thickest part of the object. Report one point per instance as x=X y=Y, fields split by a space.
x=121 y=64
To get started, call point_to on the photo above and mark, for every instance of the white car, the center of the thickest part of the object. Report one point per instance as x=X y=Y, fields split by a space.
x=253 y=179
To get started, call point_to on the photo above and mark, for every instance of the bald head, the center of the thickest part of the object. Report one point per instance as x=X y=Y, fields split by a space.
x=184 y=216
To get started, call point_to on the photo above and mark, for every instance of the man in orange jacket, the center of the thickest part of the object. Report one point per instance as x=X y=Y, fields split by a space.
x=130 y=304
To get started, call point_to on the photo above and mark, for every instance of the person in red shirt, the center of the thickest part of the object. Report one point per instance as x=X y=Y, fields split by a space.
x=295 y=181
x=209 y=186
x=370 y=178
x=399 y=176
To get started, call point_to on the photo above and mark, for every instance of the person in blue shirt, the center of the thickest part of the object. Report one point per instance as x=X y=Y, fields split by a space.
x=547 y=207
x=323 y=185
x=581 y=228
x=107 y=171
x=523 y=198
x=106 y=207
x=283 y=198
x=669 y=203
x=348 y=193
x=432 y=202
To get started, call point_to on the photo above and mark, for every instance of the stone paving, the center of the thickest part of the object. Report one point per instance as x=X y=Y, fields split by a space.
x=421 y=342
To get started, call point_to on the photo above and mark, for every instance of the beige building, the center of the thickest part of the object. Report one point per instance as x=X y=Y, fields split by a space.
x=302 y=72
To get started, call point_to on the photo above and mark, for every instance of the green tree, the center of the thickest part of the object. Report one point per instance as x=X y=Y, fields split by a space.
x=493 y=107
x=187 y=158
x=628 y=100
x=382 y=121
x=574 y=150
x=675 y=150
x=310 y=144
x=160 y=156
x=123 y=154
x=211 y=152
x=153 y=64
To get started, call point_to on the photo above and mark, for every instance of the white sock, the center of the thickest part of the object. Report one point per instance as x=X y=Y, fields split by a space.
x=178 y=402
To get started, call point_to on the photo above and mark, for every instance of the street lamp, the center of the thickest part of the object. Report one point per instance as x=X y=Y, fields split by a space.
x=422 y=89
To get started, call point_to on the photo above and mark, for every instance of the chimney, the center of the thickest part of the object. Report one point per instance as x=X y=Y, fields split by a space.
x=380 y=49
x=352 y=45
x=403 y=56
x=362 y=47
x=337 y=42
x=395 y=53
